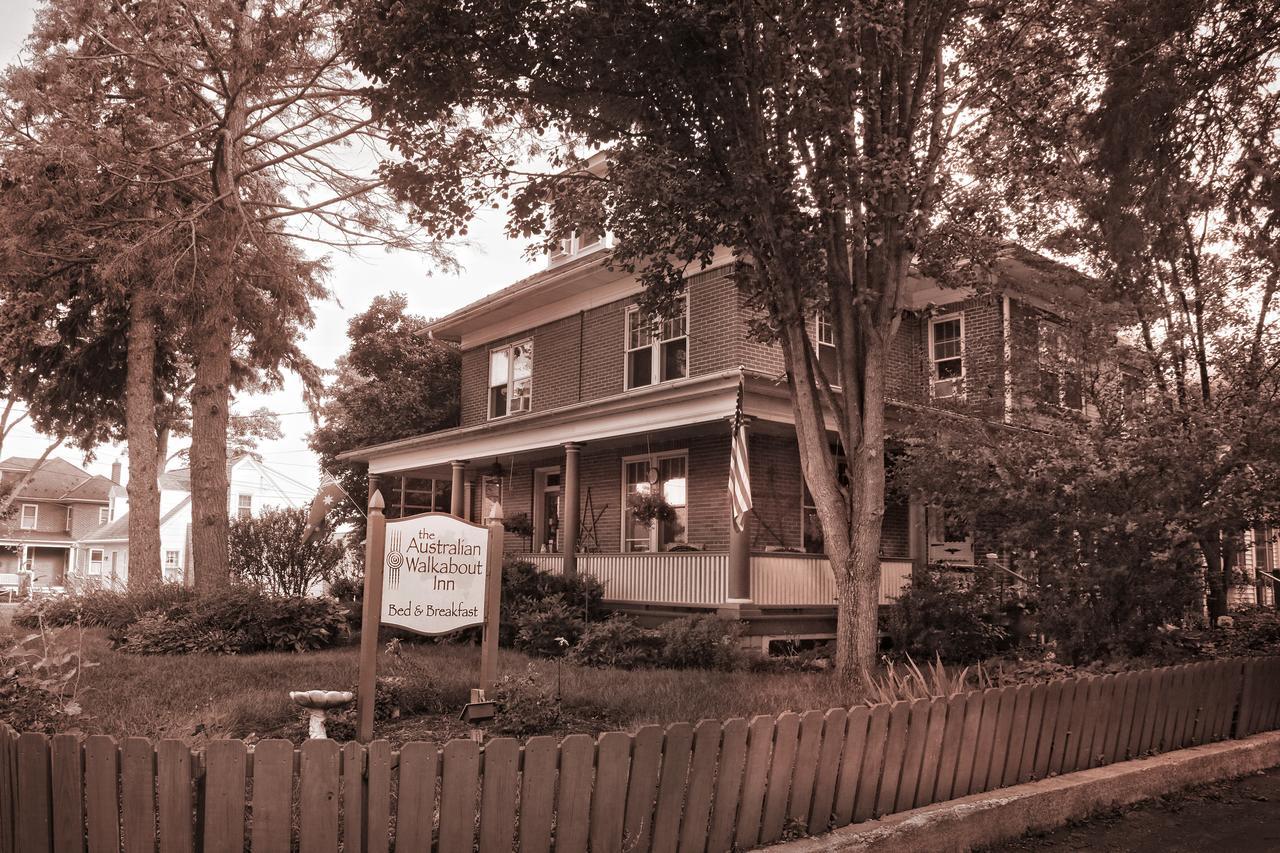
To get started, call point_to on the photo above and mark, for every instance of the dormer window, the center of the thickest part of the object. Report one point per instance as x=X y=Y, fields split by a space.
x=657 y=349
x=511 y=379
x=946 y=352
x=576 y=244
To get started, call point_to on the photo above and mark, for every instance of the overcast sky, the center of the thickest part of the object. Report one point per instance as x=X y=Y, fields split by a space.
x=488 y=263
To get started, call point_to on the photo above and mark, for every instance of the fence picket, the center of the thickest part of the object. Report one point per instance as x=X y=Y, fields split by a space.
x=573 y=800
x=498 y=795
x=272 y=830
x=1017 y=736
x=1099 y=719
x=318 y=796
x=460 y=788
x=677 y=749
x=1231 y=693
x=992 y=700
x=1158 y=711
x=1062 y=737
x=895 y=747
x=824 y=783
x=872 y=763
x=8 y=791
x=1127 y=697
x=67 y=789
x=353 y=795
x=642 y=789
x=755 y=775
x=952 y=746
x=855 y=744
x=377 y=815
x=1002 y=738
x=608 y=802
x=537 y=794
x=1141 y=709
x=138 y=795
x=1031 y=734
x=1205 y=704
x=786 y=739
x=968 y=743
x=913 y=754
x=702 y=777
x=416 y=803
x=224 y=804
x=1048 y=723
x=174 y=815
x=729 y=777
x=1176 y=696
x=934 y=731
x=101 y=794
x=806 y=766
x=1081 y=724
x=35 y=809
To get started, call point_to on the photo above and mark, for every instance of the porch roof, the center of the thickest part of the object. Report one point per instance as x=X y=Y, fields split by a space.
x=701 y=399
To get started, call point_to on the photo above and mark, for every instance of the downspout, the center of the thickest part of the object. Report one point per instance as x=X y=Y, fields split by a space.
x=1008 y=357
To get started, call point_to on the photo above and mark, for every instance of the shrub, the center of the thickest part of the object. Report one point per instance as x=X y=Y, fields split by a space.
x=114 y=610
x=39 y=677
x=526 y=706
x=347 y=588
x=525 y=588
x=269 y=551
x=548 y=628
x=237 y=620
x=702 y=641
x=948 y=615
x=617 y=642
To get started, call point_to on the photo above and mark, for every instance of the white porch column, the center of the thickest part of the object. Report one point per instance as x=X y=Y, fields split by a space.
x=459 y=467
x=571 y=510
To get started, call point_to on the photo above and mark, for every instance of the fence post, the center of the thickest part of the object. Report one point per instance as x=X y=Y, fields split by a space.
x=371 y=617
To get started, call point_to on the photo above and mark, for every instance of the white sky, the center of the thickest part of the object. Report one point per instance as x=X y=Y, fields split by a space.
x=489 y=262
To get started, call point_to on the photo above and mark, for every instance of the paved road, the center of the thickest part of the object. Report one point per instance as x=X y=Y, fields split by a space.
x=1242 y=816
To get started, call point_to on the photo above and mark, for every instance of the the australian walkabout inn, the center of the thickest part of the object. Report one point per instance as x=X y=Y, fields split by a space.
x=572 y=400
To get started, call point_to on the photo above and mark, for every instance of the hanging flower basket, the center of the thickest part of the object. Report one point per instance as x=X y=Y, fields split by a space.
x=648 y=507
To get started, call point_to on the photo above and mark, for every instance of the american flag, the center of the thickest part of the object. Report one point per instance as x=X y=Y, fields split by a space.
x=739 y=470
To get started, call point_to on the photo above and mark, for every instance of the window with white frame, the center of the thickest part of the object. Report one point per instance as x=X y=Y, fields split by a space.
x=68 y=518
x=657 y=349
x=826 y=348
x=171 y=564
x=511 y=379
x=811 y=528
x=30 y=516
x=244 y=506
x=946 y=355
x=576 y=243
x=104 y=515
x=1057 y=368
x=95 y=561
x=665 y=474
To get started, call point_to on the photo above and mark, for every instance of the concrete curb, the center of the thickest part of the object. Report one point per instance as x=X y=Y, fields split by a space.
x=982 y=819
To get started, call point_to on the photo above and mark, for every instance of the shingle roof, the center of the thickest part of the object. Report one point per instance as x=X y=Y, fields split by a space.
x=119 y=528
x=57 y=479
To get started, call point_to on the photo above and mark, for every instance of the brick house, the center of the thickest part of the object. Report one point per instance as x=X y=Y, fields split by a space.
x=572 y=401
x=53 y=513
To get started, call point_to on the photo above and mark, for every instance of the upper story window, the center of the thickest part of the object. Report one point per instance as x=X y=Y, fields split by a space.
x=1057 y=368
x=826 y=349
x=171 y=560
x=657 y=349
x=511 y=379
x=577 y=243
x=104 y=515
x=244 y=506
x=30 y=516
x=68 y=518
x=946 y=355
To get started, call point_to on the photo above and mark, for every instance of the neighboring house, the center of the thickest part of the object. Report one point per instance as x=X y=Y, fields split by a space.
x=51 y=517
x=254 y=488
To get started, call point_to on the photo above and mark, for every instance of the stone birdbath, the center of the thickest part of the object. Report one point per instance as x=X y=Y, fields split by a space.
x=317 y=702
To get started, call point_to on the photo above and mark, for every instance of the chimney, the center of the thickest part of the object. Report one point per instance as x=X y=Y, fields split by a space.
x=115 y=471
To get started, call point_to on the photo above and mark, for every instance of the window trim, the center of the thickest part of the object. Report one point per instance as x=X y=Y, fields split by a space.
x=820 y=320
x=489 y=384
x=1059 y=367
x=35 y=518
x=934 y=380
x=104 y=515
x=101 y=560
x=69 y=508
x=653 y=459
x=241 y=508
x=654 y=346
x=177 y=559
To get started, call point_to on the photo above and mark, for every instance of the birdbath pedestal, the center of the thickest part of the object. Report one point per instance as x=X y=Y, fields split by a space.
x=317 y=702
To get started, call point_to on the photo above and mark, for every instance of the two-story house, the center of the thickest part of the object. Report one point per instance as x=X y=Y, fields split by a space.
x=254 y=487
x=573 y=400
x=52 y=514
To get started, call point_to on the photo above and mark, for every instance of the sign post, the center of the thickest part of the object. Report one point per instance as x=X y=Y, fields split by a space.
x=432 y=574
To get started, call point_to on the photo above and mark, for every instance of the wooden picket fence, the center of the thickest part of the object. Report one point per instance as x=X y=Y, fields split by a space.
x=710 y=787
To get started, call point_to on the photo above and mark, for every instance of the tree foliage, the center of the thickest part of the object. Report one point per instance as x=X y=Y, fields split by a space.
x=394 y=381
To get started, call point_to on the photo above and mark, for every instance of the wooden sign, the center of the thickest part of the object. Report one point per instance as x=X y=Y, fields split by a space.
x=433 y=576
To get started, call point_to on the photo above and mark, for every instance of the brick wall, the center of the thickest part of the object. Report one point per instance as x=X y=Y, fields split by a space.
x=84 y=519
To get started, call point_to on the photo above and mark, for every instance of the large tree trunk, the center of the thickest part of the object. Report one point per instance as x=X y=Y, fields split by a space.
x=1216 y=571
x=140 y=432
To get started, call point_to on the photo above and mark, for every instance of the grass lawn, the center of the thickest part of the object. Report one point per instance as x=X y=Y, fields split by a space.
x=198 y=697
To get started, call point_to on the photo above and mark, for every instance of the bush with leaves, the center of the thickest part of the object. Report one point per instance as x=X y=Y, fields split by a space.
x=114 y=610
x=527 y=706
x=525 y=588
x=238 y=620
x=948 y=614
x=617 y=642
x=268 y=550
x=548 y=628
x=39 y=682
x=703 y=641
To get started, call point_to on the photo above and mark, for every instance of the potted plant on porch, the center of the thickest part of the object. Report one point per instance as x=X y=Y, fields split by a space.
x=648 y=507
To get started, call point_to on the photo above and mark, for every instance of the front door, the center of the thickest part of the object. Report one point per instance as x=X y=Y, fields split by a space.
x=547 y=511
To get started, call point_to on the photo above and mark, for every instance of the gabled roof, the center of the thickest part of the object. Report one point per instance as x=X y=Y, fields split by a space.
x=118 y=530
x=56 y=480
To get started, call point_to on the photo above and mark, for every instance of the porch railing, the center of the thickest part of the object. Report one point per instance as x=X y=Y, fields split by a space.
x=702 y=577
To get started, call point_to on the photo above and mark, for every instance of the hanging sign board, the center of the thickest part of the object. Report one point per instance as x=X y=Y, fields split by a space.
x=435 y=568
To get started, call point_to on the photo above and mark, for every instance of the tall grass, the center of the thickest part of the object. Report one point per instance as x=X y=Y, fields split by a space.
x=910 y=682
